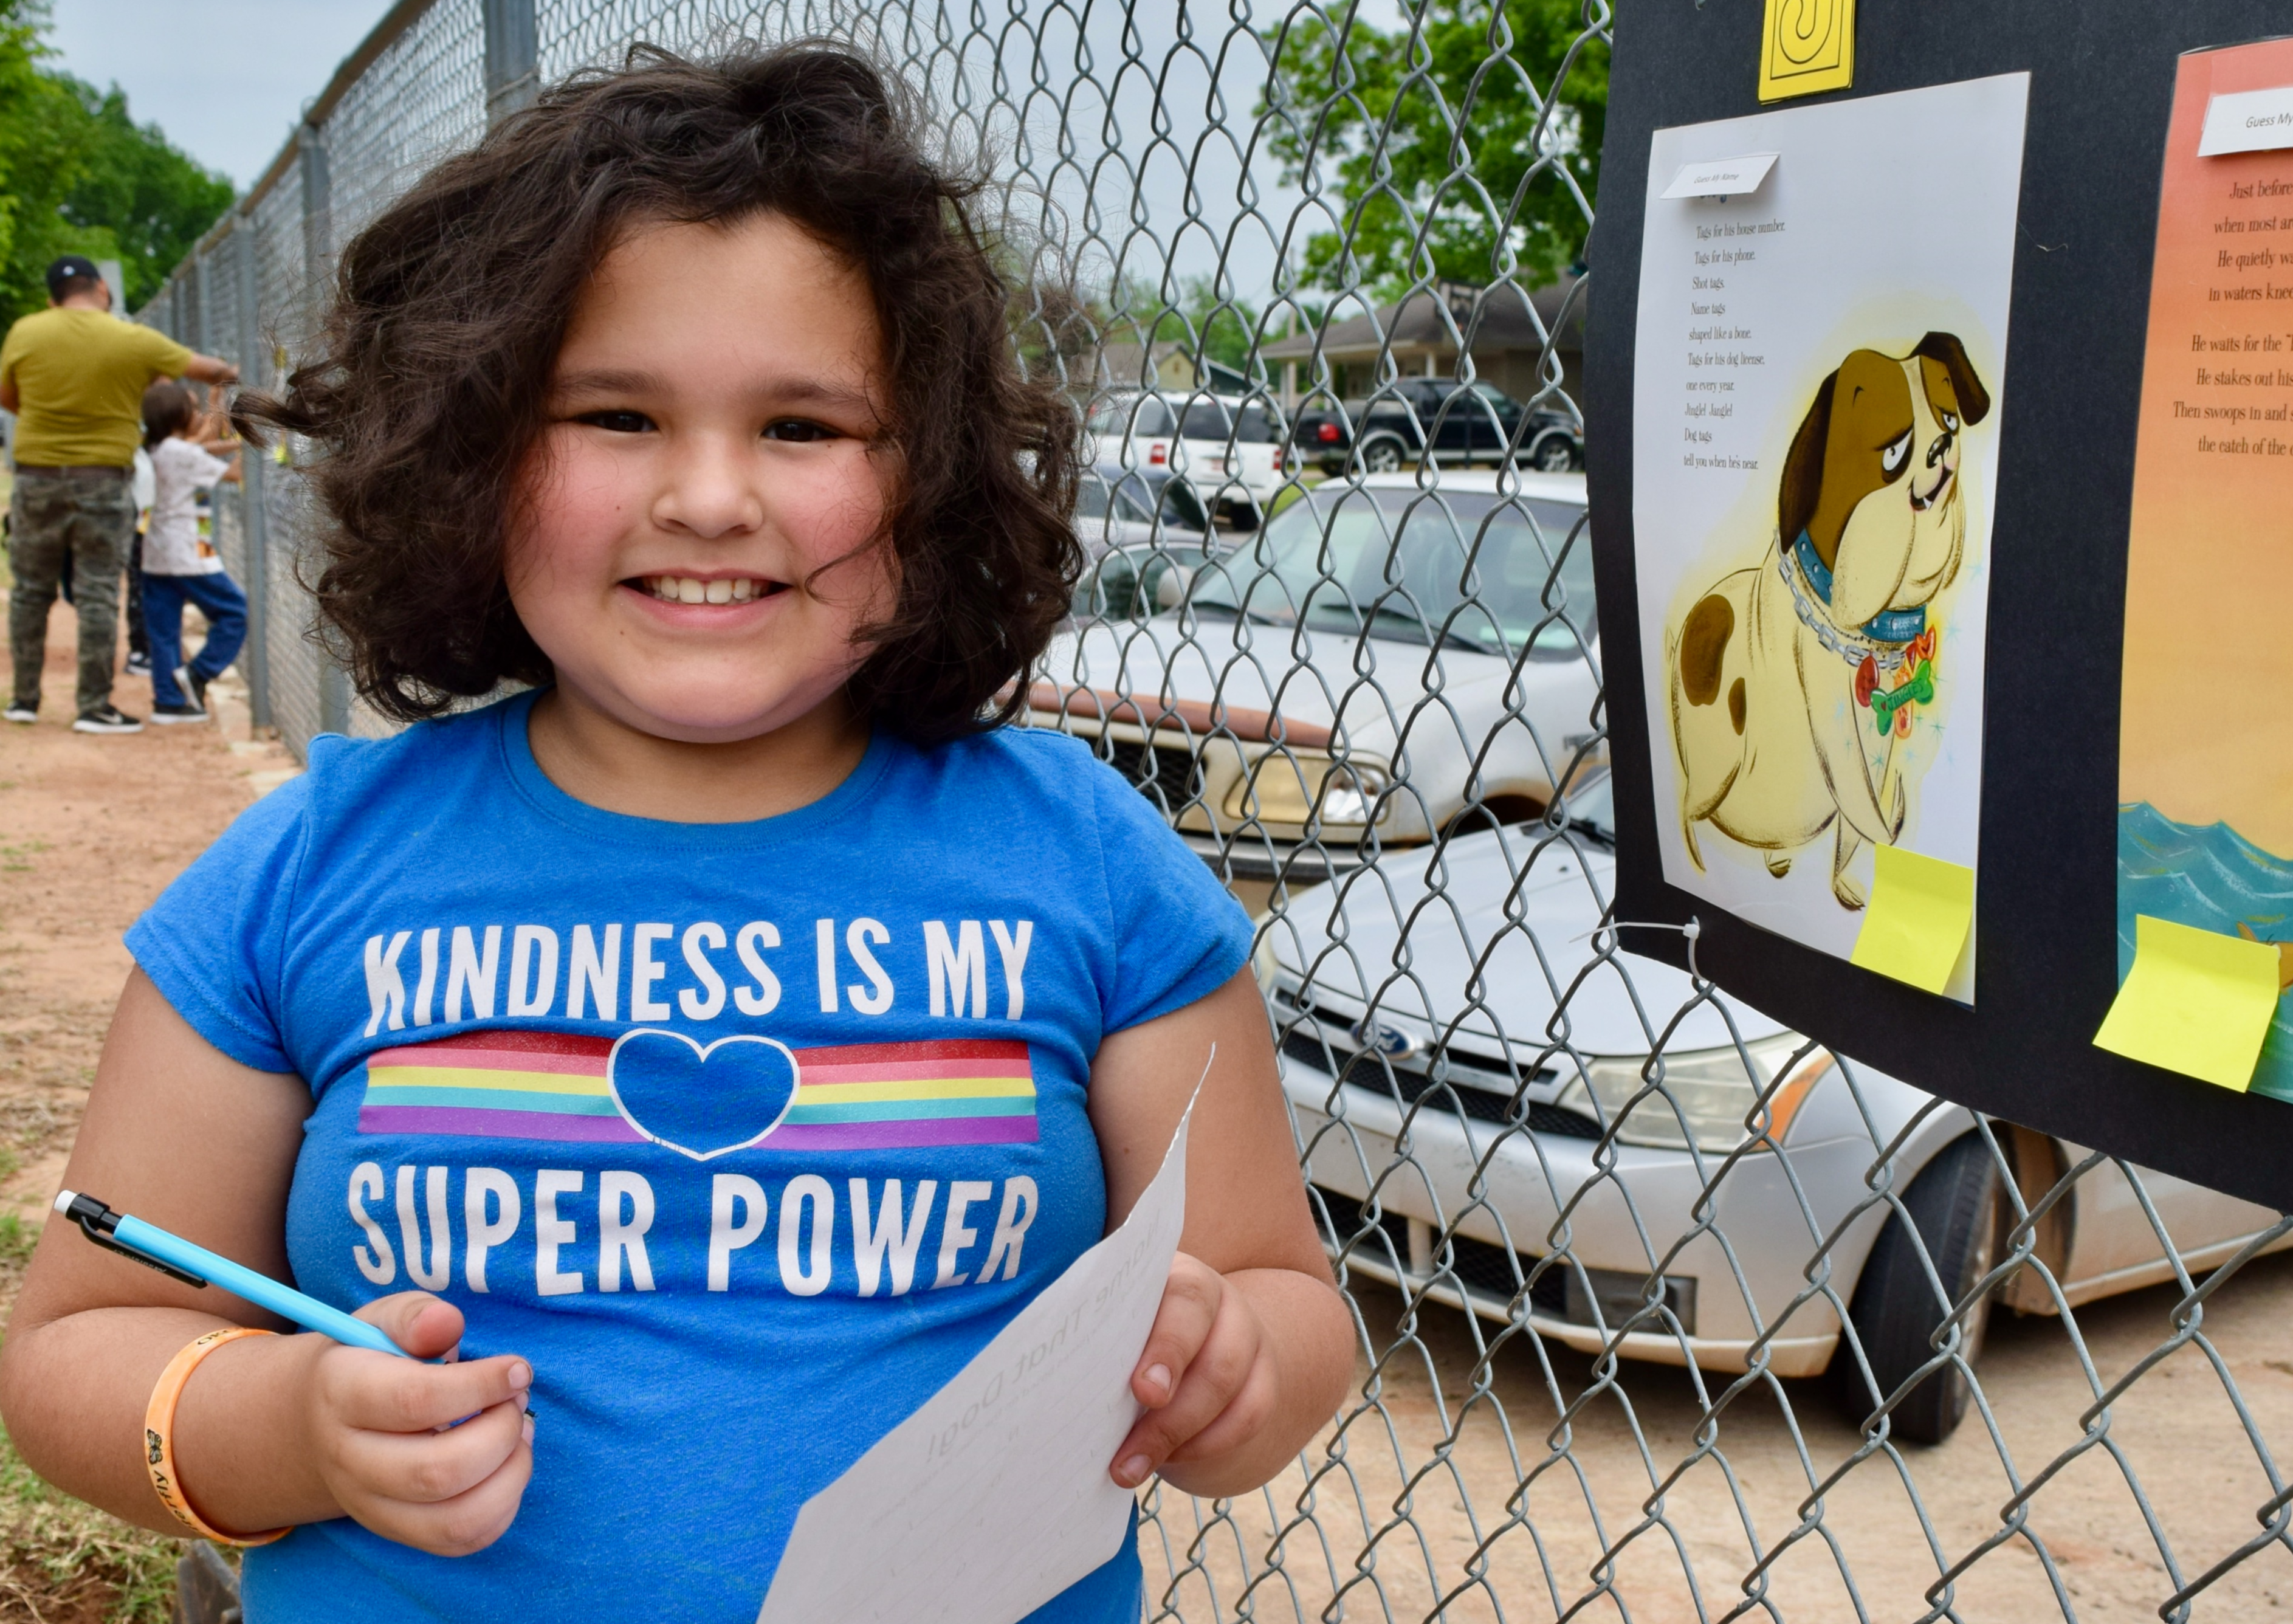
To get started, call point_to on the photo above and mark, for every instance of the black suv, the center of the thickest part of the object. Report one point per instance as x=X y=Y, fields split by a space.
x=1467 y=422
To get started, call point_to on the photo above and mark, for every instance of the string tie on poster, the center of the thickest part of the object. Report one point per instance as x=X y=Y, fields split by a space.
x=1693 y=930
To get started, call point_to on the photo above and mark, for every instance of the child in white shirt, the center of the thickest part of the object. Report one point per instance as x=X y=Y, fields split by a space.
x=180 y=561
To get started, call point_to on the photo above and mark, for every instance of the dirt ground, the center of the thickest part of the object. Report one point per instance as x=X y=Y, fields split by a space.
x=90 y=829
x=2176 y=1431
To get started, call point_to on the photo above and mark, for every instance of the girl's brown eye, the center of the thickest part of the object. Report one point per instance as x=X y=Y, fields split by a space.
x=617 y=422
x=798 y=430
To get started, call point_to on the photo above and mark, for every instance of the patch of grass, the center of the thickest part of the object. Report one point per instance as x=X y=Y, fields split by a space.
x=17 y=1238
x=64 y=1562
x=1287 y=497
x=17 y=859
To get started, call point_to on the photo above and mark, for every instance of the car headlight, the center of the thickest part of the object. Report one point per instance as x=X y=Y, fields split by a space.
x=1710 y=1086
x=1286 y=788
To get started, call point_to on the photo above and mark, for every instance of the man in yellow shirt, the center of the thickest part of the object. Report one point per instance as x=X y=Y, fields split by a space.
x=73 y=374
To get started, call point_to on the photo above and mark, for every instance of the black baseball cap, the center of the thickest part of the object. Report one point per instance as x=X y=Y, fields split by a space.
x=70 y=266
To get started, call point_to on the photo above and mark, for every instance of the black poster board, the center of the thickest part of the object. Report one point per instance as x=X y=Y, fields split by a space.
x=2102 y=84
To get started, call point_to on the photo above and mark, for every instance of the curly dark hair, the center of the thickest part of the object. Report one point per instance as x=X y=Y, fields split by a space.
x=427 y=391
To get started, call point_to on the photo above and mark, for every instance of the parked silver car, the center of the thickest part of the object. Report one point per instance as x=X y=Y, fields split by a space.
x=1507 y=1125
x=1115 y=508
x=1434 y=652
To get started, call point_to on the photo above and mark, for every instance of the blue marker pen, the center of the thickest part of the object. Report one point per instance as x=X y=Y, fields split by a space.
x=178 y=1258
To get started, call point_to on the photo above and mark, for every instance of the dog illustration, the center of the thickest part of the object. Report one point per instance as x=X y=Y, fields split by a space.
x=2284 y=954
x=1793 y=681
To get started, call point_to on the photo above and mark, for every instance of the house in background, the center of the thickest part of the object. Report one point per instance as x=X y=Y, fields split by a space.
x=1420 y=332
x=1169 y=366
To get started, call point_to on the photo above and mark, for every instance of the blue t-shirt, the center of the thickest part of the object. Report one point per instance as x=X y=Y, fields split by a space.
x=748 y=1135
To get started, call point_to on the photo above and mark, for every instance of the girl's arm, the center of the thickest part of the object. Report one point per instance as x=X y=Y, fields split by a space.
x=1253 y=1348
x=270 y=1431
x=212 y=427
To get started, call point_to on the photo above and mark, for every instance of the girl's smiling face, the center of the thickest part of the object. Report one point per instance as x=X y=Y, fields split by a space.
x=700 y=532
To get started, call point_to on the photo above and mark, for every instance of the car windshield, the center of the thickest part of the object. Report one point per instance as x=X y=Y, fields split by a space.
x=1092 y=495
x=1593 y=808
x=1129 y=414
x=1135 y=501
x=1411 y=565
x=1210 y=420
x=1180 y=506
x=1129 y=583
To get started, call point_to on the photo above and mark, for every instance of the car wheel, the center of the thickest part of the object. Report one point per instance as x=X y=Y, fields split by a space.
x=1554 y=454
x=1383 y=454
x=1954 y=1202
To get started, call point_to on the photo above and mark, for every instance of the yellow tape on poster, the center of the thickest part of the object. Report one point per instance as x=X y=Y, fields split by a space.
x=1806 y=46
x=1915 y=925
x=2196 y=1002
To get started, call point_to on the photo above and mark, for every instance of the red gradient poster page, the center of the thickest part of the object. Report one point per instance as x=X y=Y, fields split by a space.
x=2204 y=834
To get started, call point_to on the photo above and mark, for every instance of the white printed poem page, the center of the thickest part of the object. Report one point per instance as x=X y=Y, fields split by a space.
x=994 y=1496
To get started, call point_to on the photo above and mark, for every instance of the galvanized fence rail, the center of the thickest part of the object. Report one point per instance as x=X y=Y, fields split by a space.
x=1657 y=1306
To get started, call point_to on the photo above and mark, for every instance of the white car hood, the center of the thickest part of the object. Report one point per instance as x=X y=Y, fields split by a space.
x=1347 y=935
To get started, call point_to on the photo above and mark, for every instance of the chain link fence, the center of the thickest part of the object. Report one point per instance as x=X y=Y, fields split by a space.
x=1664 y=1312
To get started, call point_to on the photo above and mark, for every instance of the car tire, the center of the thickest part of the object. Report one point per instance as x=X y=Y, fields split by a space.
x=1555 y=453
x=1954 y=1204
x=1384 y=454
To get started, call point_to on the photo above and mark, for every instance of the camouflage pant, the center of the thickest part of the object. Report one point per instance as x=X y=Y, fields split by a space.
x=87 y=515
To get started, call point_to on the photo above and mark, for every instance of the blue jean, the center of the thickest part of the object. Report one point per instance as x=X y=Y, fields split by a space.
x=220 y=599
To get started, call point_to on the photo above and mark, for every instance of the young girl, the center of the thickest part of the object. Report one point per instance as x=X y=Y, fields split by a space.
x=180 y=562
x=719 y=1042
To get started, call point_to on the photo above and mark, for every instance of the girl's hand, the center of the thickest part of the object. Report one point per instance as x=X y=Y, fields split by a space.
x=383 y=1437
x=1207 y=1377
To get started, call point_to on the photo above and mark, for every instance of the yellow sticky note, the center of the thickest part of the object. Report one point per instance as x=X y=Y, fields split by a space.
x=2196 y=1002
x=1806 y=46
x=1915 y=926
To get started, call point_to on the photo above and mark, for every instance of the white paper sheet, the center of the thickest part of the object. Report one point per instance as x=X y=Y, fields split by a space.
x=993 y=1497
x=1721 y=178
x=1884 y=218
x=2247 y=121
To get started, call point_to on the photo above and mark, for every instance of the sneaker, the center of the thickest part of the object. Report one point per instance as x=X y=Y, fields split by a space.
x=139 y=665
x=23 y=713
x=166 y=714
x=107 y=718
x=192 y=683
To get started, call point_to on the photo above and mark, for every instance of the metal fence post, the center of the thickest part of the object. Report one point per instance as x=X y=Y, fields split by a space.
x=192 y=334
x=512 y=57
x=318 y=248
x=255 y=487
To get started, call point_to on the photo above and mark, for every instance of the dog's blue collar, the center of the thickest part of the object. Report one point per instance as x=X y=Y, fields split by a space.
x=1887 y=626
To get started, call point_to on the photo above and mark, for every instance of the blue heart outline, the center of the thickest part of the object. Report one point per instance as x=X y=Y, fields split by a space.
x=700 y=1054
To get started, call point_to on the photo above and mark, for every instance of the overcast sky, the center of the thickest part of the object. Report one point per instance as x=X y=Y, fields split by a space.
x=227 y=79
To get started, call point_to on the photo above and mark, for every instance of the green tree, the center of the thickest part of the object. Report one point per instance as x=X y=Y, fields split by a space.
x=154 y=200
x=78 y=175
x=1459 y=142
x=35 y=155
x=1226 y=330
x=1203 y=325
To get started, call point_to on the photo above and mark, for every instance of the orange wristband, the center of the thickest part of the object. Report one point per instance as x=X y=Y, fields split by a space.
x=159 y=1429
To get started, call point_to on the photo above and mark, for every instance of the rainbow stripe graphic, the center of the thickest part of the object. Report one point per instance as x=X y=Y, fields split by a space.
x=552 y=1086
